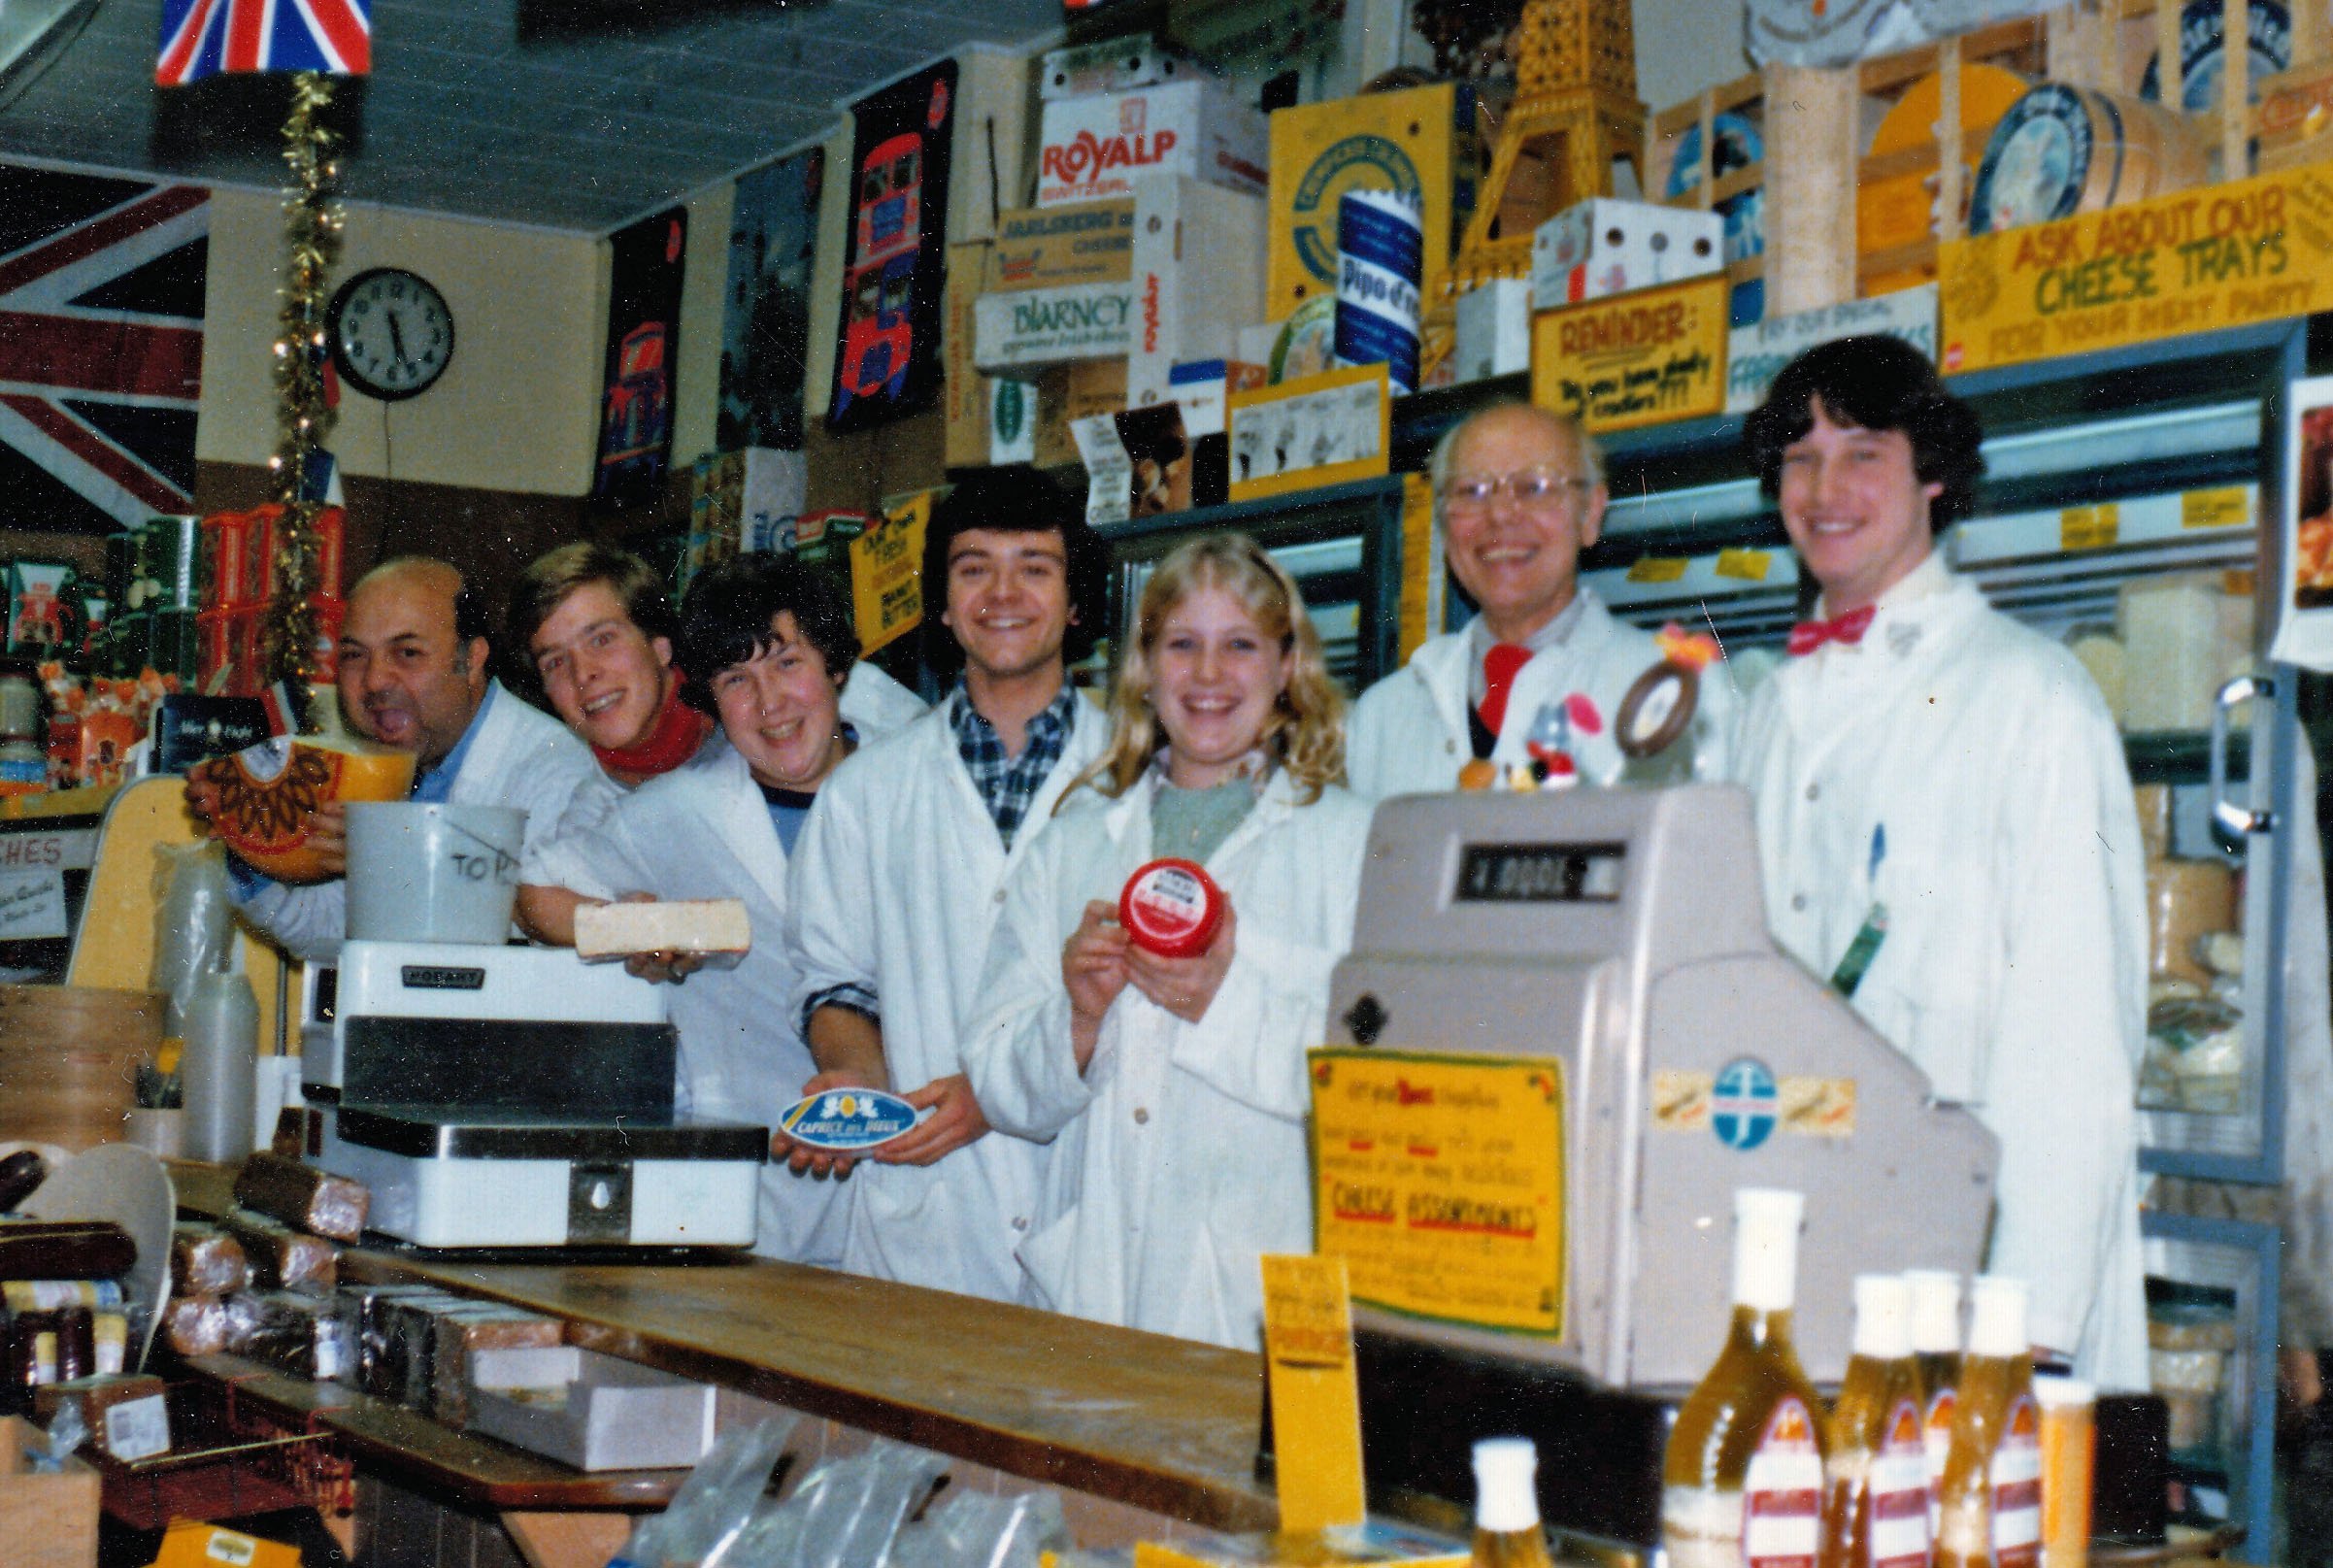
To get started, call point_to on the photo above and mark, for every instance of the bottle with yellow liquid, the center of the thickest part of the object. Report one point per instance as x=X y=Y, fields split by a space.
x=1874 y=1500
x=1742 y=1480
x=1992 y=1508
x=1507 y=1531
x=1936 y=1347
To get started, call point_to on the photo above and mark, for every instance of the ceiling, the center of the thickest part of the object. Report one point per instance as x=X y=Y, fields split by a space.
x=580 y=127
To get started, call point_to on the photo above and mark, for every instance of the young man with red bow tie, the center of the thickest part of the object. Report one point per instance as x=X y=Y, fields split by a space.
x=1947 y=834
x=1541 y=673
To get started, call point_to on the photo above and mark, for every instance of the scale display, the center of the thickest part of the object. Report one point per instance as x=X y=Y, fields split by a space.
x=1541 y=873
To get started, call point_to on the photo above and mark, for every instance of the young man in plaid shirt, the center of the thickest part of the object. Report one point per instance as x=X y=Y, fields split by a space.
x=895 y=883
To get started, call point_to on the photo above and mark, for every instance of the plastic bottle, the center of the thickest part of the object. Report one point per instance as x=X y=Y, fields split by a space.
x=1992 y=1482
x=1875 y=1501
x=1742 y=1481
x=1936 y=1347
x=1507 y=1532
x=219 y=1067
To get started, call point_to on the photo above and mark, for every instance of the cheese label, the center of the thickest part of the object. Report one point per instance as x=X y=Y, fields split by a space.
x=1782 y=1492
x=848 y=1121
x=137 y=1428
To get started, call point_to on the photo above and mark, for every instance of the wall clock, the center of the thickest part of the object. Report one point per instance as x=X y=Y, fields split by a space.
x=390 y=332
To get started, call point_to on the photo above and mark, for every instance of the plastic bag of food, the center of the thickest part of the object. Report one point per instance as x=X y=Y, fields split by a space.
x=845 y=1514
x=976 y=1530
x=714 y=1505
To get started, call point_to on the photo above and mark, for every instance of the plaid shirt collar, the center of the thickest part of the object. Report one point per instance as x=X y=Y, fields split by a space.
x=1008 y=784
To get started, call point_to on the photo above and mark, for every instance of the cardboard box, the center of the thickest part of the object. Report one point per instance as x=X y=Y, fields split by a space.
x=590 y=1411
x=1494 y=331
x=1043 y=326
x=1603 y=247
x=1090 y=149
x=1070 y=392
x=1198 y=279
x=47 y=1520
x=1044 y=247
x=1201 y=387
x=1114 y=65
x=1420 y=143
x=188 y=1545
x=964 y=392
x=990 y=146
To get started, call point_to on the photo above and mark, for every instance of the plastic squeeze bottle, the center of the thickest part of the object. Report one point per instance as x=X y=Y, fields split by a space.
x=1507 y=1532
x=1992 y=1482
x=1742 y=1480
x=1936 y=1347
x=1875 y=1501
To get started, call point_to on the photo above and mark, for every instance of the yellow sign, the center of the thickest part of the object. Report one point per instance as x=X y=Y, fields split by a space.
x=887 y=569
x=1748 y=565
x=2089 y=527
x=2195 y=261
x=2228 y=508
x=1641 y=358
x=1316 y=1394
x=1420 y=568
x=1438 y=1180
x=1316 y=430
x=1658 y=569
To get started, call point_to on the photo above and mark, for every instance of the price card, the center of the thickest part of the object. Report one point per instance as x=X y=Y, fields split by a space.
x=1746 y=565
x=2089 y=527
x=32 y=906
x=1658 y=569
x=2229 y=507
x=1316 y=1394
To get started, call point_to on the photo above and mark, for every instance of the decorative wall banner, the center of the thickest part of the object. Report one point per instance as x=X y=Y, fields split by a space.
x=1632 y=359
x=2195 y=261
x=765 y=323
x=894 y=283
x=644 y=330
x=101 y=347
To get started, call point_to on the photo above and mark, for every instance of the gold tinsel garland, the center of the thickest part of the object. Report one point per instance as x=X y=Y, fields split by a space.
x=312 y=237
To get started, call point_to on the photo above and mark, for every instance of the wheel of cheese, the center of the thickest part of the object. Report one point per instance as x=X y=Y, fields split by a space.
x=268 y=794
x=1902 y=210
x=2203 y=52
x=1172 y=908
x=2061 y=149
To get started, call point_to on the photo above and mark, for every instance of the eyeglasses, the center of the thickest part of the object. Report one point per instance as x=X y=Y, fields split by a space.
x=1526 y=488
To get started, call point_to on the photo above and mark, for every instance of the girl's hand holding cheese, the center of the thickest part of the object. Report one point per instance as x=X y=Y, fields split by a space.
x=1093 y=970
x=1185 y=986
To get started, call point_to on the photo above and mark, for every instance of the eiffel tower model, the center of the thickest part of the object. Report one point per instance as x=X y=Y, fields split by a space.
x=1574 y=111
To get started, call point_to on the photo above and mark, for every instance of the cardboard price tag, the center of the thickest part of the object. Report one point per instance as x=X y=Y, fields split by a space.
x=1316 y=1394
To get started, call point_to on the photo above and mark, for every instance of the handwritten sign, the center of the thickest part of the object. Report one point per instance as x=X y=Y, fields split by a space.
x=1440 y=1182
x=1316 y=1392
x=886 y=575
x=1634 y=360
x=32 y=906
x=2195 y=261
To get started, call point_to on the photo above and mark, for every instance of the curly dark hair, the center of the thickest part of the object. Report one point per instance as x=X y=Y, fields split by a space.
x=728 y=612
x=1014 y=499
x=1876 y=382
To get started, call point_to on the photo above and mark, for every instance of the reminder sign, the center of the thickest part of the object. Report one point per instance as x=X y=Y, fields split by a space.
x=1438 y=1180
x=886 y=575
x=1632 y=359
x=2196 y=262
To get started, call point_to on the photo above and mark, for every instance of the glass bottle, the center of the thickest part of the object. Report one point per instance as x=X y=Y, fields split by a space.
x=1991 y=1514
x=1507 y=1532
x=1742 y=1480
x=1936 y=1347
x=1875 y=1501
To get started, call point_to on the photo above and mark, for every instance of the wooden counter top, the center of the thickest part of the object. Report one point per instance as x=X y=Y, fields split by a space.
x=1160 y=1424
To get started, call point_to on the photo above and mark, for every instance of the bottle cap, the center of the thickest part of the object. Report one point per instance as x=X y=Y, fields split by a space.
x=1997 y=1316
x=1171 y=908
x=1883 y=1316
x=1506 y=1484
x=2054 y=1392
x=1935 y=1310
x=1766 y=1221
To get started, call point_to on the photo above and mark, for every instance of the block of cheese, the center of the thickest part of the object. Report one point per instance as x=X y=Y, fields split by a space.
x=64 y=1250
x=126 y=1413
x=703 y=925
x=302 y=1196
x=205 y=1260
x=281 y=1259
x=457 y=1336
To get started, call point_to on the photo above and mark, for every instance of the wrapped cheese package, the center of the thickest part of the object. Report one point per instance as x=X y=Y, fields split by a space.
x=128 y=1416
x=205 y=1260
x=303 y=1334
x=281 y=1259
x=303 y=1197
x=461 y=1334
x=195 y=1325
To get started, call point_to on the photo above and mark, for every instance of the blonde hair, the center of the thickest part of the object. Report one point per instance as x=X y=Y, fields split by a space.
x=1305 y=733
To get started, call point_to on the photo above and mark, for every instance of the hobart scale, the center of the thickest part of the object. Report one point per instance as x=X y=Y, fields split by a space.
x=1561 y=1041
x=510 y=1096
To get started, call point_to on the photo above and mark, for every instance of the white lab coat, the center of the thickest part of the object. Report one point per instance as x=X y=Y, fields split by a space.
x=704 y=831
x=873 y=704
x=895 y=887
x=2014 y=969
x=517 y=757
x=1180 y=1156
x=1409 y=732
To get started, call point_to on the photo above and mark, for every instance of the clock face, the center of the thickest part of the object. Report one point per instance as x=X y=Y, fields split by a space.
x=392 y=333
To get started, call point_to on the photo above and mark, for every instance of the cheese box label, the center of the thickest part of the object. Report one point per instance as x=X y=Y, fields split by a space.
x=848 y=1121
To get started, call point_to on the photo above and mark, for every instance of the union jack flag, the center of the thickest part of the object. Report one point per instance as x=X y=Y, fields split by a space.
x=202 y=38
x=101 y=347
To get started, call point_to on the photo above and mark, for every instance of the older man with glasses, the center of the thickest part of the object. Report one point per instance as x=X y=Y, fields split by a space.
x=1539 y=674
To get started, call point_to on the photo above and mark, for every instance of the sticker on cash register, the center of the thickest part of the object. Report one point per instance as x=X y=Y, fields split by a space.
x=847 y=1122
x=1742 y=1109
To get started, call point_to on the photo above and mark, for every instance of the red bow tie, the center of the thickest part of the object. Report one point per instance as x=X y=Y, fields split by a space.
x=1846 y=630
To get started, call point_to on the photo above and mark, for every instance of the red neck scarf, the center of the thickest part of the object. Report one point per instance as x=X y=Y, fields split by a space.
x=672 y=740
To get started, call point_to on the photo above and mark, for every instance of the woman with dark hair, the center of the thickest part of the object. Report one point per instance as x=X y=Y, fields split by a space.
x=1172 y=1087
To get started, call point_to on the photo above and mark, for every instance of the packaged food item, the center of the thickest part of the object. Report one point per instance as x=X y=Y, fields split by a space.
x=302 y=1334
x=1875 y=1503
x=127 y=1416
x=303 y=1197
x=712 y=926
x=195 y=1325
x=1172 y=908
x=1748 y=1444
x=2069 y=1408
x=281 y=1259
x=205 y=1260
x=1990 y=1514
x=371 y=1311
x=461 y=1334
x=64 y=1250
x=1507 y=1528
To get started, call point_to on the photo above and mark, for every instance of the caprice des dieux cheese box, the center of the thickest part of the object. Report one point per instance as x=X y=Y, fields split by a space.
x=1419 y=142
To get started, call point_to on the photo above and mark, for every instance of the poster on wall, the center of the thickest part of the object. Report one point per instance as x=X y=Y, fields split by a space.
x=101 y=359
x=2304 y=633
x=643 y=329
x=765 y=323
x=896 y=273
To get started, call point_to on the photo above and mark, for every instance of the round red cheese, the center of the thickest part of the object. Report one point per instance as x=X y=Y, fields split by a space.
x=1171 y=908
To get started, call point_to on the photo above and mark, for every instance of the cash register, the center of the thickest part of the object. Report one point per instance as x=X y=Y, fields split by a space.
x=1561 y=1040
x=502 y=1096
